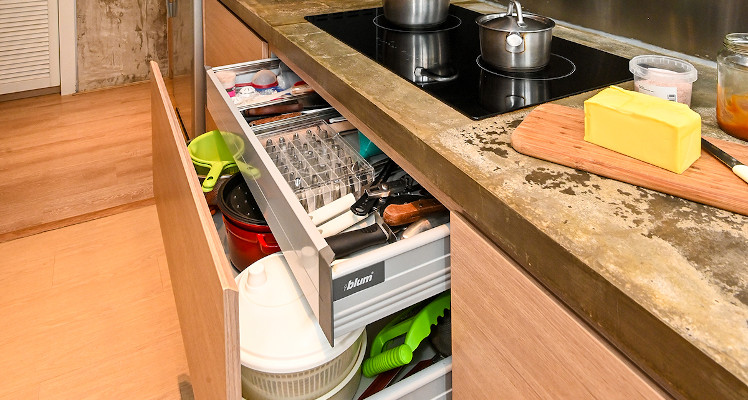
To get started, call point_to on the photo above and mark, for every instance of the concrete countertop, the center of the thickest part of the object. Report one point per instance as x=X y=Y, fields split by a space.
x=664 y=279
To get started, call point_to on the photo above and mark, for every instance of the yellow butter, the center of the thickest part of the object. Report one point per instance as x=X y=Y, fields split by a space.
x=660 y=132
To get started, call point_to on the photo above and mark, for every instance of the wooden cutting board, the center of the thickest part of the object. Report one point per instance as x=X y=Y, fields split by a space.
x=556 y=133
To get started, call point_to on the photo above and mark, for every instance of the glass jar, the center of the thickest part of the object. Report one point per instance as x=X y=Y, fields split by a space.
x=732 y=85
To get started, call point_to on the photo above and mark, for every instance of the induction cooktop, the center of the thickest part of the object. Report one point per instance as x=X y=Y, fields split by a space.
x=445 y=62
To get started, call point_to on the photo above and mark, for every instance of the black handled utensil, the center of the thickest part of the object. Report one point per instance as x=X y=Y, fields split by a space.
x=346 y=243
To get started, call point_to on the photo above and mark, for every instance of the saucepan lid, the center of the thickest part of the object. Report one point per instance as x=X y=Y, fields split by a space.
x=514 y=20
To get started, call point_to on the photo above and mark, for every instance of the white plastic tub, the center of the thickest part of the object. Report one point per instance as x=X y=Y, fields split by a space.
x=664 y=77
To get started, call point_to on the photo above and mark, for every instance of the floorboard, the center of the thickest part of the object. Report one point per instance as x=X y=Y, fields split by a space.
x=87 y=313
x=68 y=159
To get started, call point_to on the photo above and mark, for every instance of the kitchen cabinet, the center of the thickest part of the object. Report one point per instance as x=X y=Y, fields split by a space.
x=203 y=284
x=227 y=39
x=511 y=339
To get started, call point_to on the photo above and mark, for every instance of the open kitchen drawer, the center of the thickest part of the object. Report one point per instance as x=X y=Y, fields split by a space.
x=205 y=292
x=395 y=276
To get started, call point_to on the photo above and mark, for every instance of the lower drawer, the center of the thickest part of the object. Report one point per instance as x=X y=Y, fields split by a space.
x=349 y=293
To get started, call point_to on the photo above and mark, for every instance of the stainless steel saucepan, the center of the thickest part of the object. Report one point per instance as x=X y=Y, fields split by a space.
x=520 y=42
x=416 y=13
x=421 y=57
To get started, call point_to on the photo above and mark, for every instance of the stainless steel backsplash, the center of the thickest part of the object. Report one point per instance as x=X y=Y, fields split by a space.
x=693 y=27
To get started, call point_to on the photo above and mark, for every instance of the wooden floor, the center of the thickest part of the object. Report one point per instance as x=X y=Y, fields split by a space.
x=66 y=159
x=86 y=310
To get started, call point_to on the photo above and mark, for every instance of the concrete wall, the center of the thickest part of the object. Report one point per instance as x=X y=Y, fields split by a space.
x=693 y=27
x=117 y=39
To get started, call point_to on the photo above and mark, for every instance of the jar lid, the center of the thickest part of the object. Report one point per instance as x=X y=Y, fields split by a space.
x=278 y=330
x=737 y=42
x=662 y=67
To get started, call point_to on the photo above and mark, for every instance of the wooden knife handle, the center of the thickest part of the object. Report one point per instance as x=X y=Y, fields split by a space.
x=275 y=109
x=401 y=214
x=275 y=118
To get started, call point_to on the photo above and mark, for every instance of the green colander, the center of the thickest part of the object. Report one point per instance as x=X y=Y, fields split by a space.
x=211 y=150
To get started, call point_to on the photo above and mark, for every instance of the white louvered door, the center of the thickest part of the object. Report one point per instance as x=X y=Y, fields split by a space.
x=29 y=45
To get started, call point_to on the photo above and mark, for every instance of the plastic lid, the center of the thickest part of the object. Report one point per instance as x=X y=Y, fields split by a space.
x=278 y=330
x=264 y=79
x=662 y=67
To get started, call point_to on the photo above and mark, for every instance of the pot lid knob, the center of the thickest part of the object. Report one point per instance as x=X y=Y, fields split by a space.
x=256 y=275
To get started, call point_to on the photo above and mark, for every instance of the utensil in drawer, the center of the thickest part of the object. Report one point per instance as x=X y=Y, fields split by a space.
x=380 y=382
x=441 y=341
x=294 y=106
x=347 y=243
x=294 y=90
x=415 y=328
x=424 y=224
x=401 y=214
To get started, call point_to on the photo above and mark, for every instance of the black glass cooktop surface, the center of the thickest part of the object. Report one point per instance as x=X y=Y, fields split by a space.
x=445 y=62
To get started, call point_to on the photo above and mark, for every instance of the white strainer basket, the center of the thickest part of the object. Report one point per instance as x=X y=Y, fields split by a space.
x=284 y=353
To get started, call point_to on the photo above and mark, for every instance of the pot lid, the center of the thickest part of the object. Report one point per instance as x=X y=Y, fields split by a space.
x=278 y=330
x=509 y=23
x=514 y=20
x=236 y=201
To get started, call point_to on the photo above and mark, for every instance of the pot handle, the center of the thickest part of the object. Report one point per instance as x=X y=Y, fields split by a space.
x=265 y=247
x=420 y=71
x=510 y=9
x=515 y=43
x=212 y=177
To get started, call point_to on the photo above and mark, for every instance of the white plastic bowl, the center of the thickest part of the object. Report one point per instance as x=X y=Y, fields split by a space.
x=664 y=77
x=284 y=353
x=348 y=387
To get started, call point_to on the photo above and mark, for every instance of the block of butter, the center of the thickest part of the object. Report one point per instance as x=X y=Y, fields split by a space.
x=660 y=132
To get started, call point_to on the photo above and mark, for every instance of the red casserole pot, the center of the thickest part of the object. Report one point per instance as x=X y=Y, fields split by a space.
x=249 y=236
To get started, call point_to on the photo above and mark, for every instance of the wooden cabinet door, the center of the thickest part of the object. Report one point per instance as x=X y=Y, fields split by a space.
x=227 y=39
x=204 y=289
x=512 y=340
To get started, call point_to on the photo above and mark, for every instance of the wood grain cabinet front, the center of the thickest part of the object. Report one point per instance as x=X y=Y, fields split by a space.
x=204 y=289
x=227 y=39
x=512 y=340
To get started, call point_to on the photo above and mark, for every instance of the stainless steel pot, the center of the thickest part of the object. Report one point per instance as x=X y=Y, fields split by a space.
x=501 y=94
x=416 y=13
x=515 y=43
x=421 y=57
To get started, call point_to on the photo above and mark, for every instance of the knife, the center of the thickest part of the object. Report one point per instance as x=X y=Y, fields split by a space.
x=401 y=214
x=737 y=167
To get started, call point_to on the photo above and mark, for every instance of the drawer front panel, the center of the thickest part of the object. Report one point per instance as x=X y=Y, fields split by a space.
x=413 y=271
